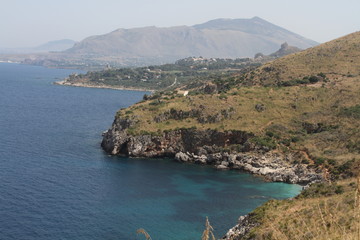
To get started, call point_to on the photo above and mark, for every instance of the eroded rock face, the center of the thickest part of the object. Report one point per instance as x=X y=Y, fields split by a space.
x=117 y=141
x=272 y=166
x=206 y=147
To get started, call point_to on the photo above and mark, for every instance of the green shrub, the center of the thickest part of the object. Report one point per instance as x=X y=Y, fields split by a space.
x=264 y=142
x=319 y=161
x=128 y=112
x=313 y=79
x=353 y=112
x=331 y=162
x=322 y=75
x=321 y=189
x=286 y=142
x=222 y=96
x=295 y=139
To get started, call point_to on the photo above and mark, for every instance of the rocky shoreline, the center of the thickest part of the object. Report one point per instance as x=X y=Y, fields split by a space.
x=207 y=147
x=66 y=83
x=244 y=226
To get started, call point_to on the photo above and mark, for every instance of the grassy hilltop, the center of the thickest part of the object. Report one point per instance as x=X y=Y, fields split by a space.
x=338 y=59
x=307 y=103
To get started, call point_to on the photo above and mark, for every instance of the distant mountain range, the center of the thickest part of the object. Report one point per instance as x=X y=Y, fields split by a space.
x=220 y=38
x=52 y=46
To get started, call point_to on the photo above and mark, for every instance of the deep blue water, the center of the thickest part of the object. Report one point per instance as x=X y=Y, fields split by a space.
x=57 y=183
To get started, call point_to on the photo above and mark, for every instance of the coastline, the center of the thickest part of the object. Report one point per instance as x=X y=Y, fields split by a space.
x=65 y=83
x=199 y=147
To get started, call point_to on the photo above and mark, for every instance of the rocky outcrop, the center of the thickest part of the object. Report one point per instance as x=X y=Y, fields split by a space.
x=210 y=147
x=195 y=113
x=117 y=141
x=224 y=150
x=245 y=225
x=273 y=166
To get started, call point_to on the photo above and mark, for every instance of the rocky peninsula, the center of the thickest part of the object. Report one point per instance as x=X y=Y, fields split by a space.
x=208 y=147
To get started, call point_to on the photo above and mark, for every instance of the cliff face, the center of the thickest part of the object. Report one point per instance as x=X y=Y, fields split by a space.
x=207 y=147
x=117 y=141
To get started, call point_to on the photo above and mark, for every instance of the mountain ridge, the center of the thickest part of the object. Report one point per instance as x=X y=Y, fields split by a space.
x=230 y=38
x=134 y=47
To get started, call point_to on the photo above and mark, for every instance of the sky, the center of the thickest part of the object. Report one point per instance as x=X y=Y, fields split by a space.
x=29 y=23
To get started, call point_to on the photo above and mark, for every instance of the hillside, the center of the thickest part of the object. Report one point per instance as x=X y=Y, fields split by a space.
x=337 y=59
x=191 y=71
x=167 y=76
x=321 y=114
x=295 y=119
x=325 y=211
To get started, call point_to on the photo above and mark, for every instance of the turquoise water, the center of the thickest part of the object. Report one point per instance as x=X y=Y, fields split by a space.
x=57 y=183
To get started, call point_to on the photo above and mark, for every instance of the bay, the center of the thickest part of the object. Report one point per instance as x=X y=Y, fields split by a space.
x=57 y=183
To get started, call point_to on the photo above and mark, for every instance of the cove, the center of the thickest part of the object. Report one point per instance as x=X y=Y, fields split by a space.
x=57 y=183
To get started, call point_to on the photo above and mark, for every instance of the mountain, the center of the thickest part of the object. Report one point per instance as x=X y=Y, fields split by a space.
x=221 y=38
x=55 y=46
x=52 y=46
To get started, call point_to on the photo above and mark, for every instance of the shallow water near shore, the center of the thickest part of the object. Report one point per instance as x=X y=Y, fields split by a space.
x=57 y=183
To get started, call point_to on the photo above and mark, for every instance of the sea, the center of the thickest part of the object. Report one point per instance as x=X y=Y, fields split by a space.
x=57 y=183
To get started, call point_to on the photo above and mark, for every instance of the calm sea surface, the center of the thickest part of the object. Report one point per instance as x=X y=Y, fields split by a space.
x=57 y=183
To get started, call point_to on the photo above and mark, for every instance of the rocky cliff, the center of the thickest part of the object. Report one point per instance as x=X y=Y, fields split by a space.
x=224 y=150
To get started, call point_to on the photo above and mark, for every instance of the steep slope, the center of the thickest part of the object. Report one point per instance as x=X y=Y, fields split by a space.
x=325 y=211
x=337 y=59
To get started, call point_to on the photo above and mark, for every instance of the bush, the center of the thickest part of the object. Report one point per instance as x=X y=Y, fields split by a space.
x=313 y=79
x=322 y=75
x=128 y=112
x=319 y=161
x=353 y=112
x=295 y=139
x=267 y=142
x=222 y=96
x=331 y=162
x=155 y=102
x=286 y=142
x=321 y=189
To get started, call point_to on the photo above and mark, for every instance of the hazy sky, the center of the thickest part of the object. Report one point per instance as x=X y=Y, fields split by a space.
x=27 y=23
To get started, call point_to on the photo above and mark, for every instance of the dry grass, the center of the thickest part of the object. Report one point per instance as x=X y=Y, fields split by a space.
x=143 y=232
x=334 y=216
x=208 y=232
x=320 y=218
x=287 y=106
x=336 y=58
